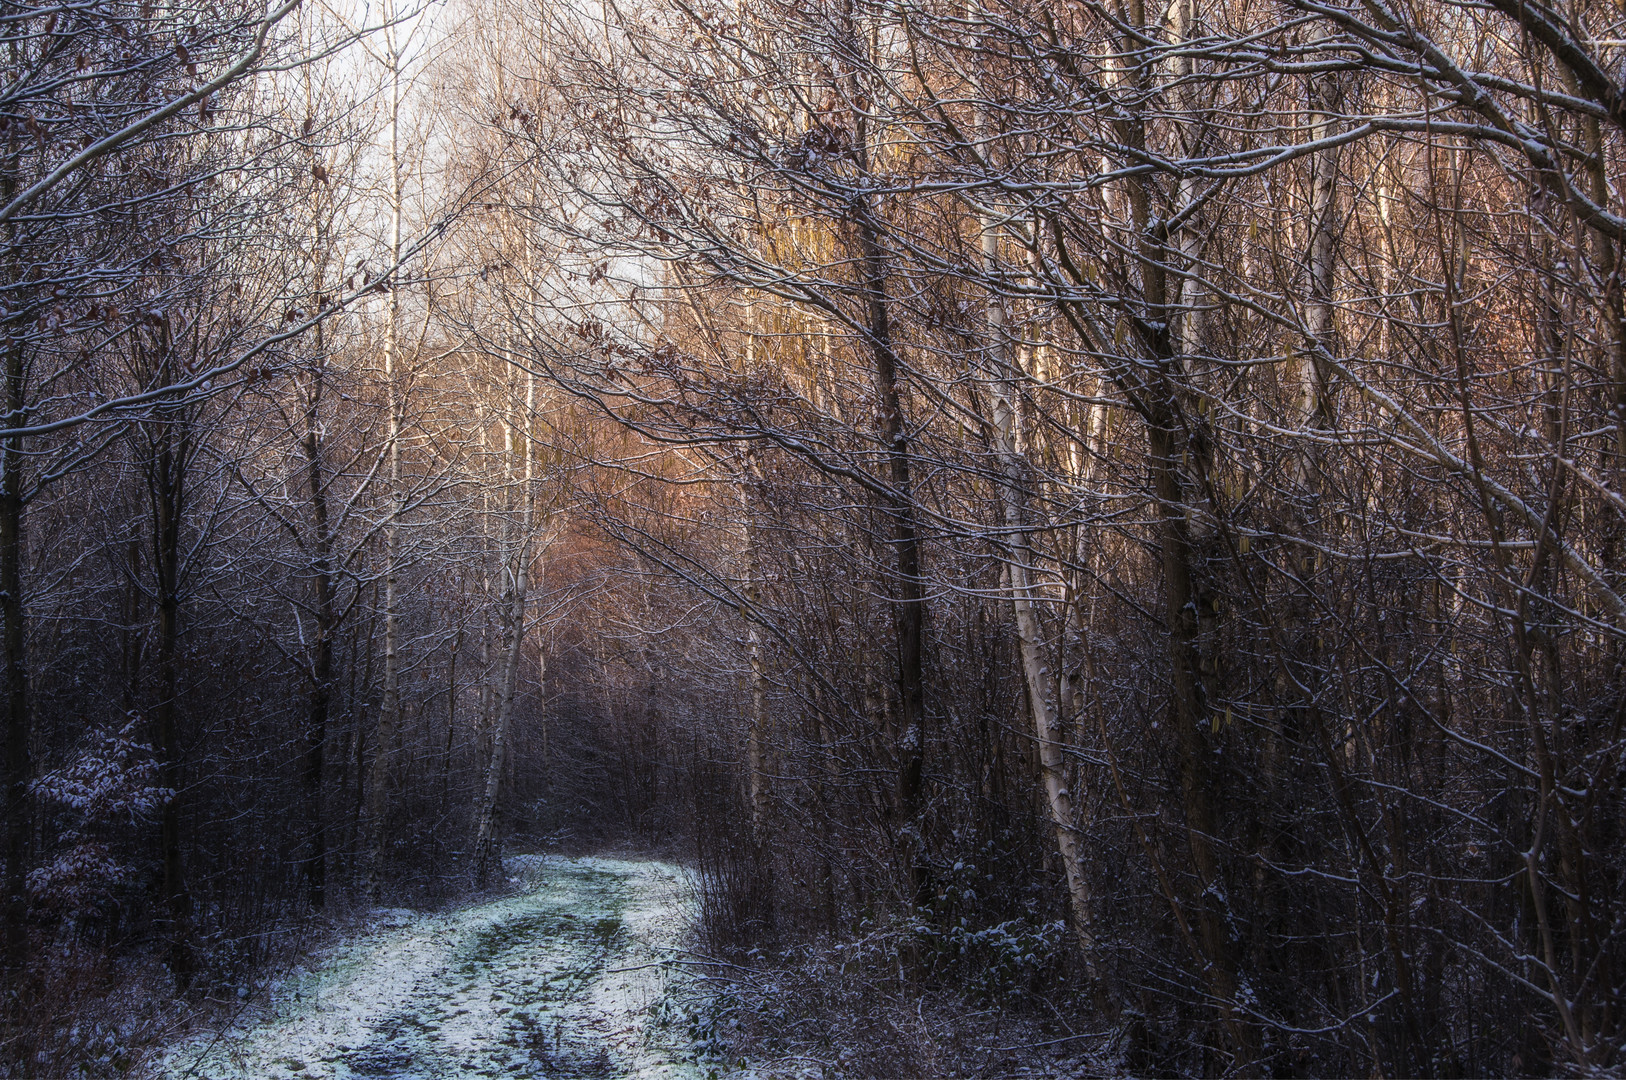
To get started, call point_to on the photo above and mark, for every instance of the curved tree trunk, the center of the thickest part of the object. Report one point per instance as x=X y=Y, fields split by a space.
x=1049 y=730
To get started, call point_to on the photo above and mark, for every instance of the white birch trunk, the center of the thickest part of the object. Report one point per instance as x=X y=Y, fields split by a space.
x=1183 y=15
x=1314 y=404
x=390 y=706
x=486 y=856
x=755 y=732
x=1041 y=688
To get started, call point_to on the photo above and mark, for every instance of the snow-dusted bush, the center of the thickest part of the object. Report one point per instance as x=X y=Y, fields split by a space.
x=113 y=781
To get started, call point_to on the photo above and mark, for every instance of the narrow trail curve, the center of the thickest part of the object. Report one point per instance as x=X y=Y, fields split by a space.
x=555 y=981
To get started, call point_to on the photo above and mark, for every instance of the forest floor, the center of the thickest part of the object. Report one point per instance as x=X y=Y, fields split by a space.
x=581 y=970
x=567 y=976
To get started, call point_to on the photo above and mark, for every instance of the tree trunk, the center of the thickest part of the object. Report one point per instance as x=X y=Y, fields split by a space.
x=910 y=607
x=1000 y=426
x=451 y=723
x=1049 y=730
x=755 y=731
x=517 y=572
x=19 y=769
x=321 y=693
x=170 y=451
x=389 y=711
x=1171 y=449
x=1315 y=404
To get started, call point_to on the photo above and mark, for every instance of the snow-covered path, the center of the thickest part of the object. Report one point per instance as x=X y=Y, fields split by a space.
x=555 y=981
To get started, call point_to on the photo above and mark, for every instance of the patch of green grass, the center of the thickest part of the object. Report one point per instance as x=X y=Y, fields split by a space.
x=500 y=937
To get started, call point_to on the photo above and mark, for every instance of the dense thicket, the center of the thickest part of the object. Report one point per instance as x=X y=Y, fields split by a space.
x=1118 y=505
x=1166 y=457
x=255 y=514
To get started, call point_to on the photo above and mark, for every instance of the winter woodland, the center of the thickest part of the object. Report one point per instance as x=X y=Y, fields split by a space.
x=1100 y=520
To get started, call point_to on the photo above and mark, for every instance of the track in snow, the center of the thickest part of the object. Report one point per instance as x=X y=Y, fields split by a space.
x=556 y=981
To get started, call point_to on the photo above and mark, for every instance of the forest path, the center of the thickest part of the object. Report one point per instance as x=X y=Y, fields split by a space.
x=558 y=980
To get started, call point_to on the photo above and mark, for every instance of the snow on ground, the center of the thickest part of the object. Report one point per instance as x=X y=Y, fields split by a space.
x=556 y=980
